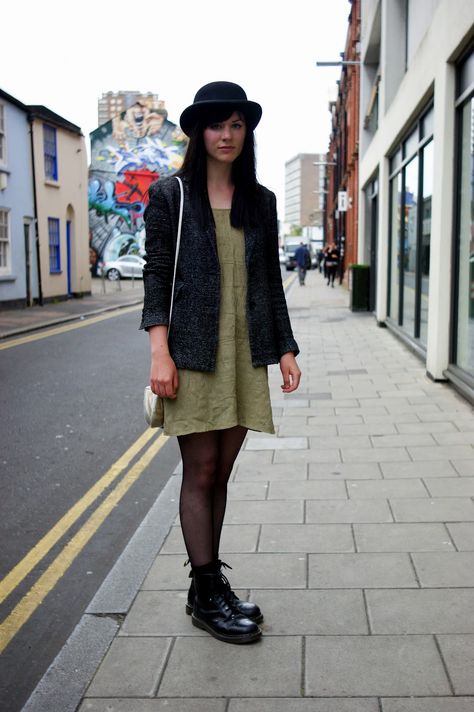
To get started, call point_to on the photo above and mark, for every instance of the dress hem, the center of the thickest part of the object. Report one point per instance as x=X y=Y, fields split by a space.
x=207 y=429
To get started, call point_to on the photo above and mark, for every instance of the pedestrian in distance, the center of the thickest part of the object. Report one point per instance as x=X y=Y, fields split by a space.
x=229 y=322
x=332 y=263
x=303 y=262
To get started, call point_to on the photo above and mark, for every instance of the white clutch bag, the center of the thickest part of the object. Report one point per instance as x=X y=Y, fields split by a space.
x=153 y=409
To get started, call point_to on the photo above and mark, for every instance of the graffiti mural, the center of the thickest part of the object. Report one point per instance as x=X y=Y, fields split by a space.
x=127 y=154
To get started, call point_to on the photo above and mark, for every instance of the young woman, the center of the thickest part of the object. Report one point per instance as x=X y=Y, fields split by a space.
x=229 y=321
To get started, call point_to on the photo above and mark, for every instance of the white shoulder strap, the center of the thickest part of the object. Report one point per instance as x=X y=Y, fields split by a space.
x=178 y=240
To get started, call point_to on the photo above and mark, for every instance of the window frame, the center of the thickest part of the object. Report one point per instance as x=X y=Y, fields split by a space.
x=50 y=157
x=54 y=248
x=6 y=269
x=3 y=141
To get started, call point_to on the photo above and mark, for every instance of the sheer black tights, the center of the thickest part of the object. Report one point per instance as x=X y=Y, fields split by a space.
x=208 y=459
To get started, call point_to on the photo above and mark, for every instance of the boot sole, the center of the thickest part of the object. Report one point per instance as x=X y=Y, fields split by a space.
x=258 y=619
x=236 y=639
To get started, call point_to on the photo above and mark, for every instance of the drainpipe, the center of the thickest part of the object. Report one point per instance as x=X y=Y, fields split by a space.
x=37 y=242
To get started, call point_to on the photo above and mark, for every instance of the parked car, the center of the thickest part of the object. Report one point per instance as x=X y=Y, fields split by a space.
x=282 y=255
x=125 y=266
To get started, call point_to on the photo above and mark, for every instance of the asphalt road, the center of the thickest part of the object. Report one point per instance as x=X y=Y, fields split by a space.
x=71 y=407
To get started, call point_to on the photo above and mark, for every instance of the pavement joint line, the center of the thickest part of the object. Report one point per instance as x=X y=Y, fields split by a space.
x=19 y=572
x=65 y=319
x=67 y=678
x=29 y=603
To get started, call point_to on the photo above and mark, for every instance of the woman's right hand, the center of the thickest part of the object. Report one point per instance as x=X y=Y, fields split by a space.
x=164 y=376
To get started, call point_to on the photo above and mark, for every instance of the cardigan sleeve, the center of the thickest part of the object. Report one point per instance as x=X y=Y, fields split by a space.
x=159 y=258
x=284 y=333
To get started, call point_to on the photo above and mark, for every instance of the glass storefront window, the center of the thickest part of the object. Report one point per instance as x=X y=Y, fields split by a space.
x=410 y=245
x=396 y=203
x=425 y=240
x=465 y=305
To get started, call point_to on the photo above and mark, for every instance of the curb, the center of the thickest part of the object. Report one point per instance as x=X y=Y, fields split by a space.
x=64 y=683
x=65 y=319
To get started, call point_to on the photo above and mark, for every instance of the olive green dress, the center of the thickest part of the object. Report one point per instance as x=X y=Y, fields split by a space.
x=235 y=393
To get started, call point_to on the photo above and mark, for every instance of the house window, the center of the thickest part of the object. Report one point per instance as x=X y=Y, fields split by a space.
x=463 y=347
x=54 y=247
x=50 y=152
x=411 y=187
x=2 y=134
x=4 y=241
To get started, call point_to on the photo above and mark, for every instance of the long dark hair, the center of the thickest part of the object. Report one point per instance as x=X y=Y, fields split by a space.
x=244 y=202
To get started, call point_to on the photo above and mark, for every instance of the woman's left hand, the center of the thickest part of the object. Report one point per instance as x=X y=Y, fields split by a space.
x=290 y=372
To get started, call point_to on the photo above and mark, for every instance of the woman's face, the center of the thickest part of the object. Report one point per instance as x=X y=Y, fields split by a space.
x=224 y=140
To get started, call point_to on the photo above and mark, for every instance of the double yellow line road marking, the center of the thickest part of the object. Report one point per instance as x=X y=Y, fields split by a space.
x=35 y=596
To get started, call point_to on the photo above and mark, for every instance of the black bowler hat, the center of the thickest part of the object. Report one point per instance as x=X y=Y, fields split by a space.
x=220 y=94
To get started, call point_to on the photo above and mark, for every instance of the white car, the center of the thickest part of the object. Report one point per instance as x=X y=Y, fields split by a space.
x=125 y=266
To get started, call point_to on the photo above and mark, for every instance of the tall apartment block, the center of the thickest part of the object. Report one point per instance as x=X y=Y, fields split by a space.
x=113 y=103
x=304 y=190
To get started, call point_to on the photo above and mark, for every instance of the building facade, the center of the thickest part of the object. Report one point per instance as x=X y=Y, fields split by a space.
x=18 y=256
x=60 y=181
x=112 y=103
x=342 y=185
x=304 y=184
x=416 y=177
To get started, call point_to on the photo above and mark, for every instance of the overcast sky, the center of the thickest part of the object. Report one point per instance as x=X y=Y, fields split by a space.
x=65 y=55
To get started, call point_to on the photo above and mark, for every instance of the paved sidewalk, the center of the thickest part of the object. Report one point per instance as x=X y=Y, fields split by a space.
x=353 y=529
x=105 y=296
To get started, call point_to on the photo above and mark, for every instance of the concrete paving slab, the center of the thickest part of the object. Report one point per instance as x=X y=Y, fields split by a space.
x=386 y=489
x=131 y=668
x=445 y=569
x=296 y=704
x=321 y=431
x=436 y=427
x=235 y=538
x=428 y=704
x=458 y=655
x=343 y=470
x=258 y=457
x=271 y=472
x=462 y=534
x=450 y=487
x=403 y=537
x=159 y=613
x=427 y=611
x=299 y=456
x=351 y=511
x=385 y=454
x=404 y=440
x=315 y=489
x=247 y=490
x=143 y=705
x=276 y=443
x=431 y=468
x=367 y=429
x=200 y=666
x=387 y=570
x=442 y=509
x=312 y=612
x=264 y=512
x=441 y=452
x=339 y=442
x=374 y=665
x=456 y=438
x=306 y=538
x=326 y=419
x=465 y=468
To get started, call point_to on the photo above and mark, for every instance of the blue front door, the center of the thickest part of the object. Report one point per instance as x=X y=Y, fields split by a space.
x=68 y=249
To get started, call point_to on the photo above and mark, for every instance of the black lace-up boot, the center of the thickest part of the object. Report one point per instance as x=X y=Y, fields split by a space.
x=245 y=608
x=212 y=612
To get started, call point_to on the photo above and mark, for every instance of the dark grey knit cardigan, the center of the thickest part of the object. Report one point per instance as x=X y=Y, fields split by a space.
x=193 y=334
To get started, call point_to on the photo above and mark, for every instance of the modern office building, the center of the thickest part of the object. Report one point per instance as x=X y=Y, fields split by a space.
x=416 y=176
x=304 y=184
x=113 y=103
